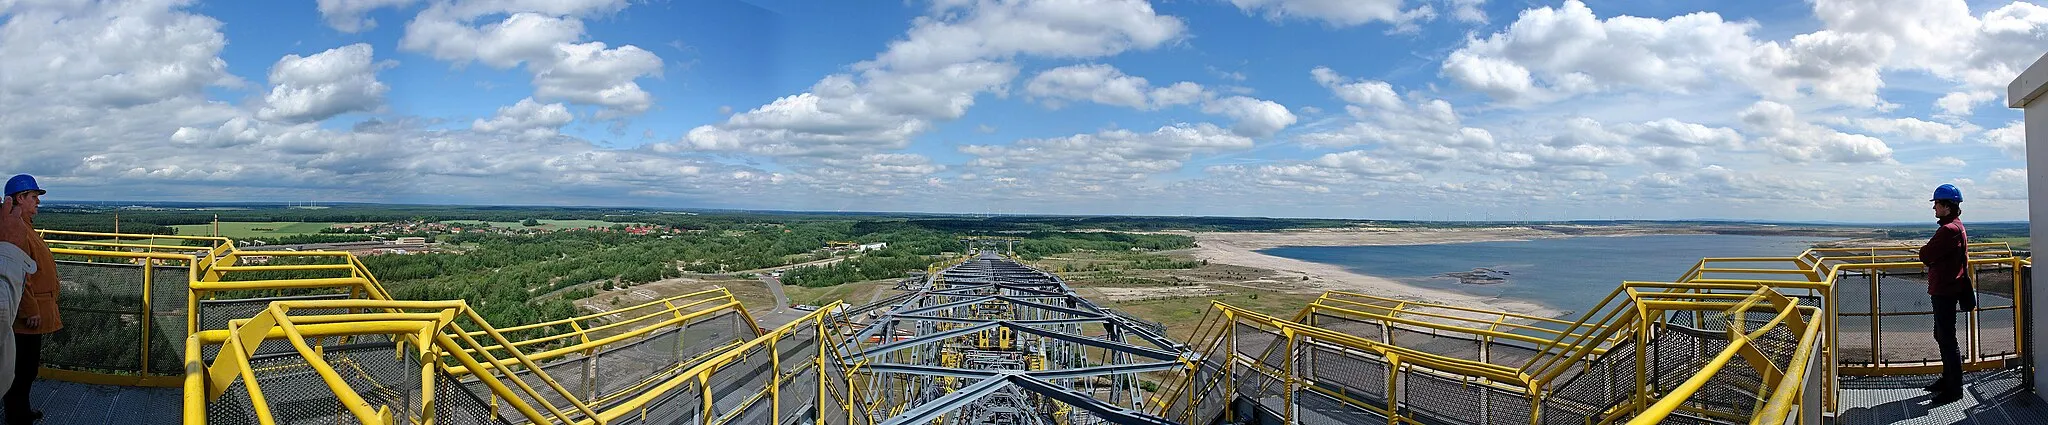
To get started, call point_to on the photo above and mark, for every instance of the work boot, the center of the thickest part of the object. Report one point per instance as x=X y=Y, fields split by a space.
x=31 y=417
x=1943 y=385
x=1949 y=396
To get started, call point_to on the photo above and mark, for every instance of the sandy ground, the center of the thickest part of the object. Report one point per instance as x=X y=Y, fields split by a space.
x=1116 y=294
x=1239 y=248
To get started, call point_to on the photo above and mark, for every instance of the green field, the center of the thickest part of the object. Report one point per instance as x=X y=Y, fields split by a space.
x=545 y=224
x=2017 y=243
x=245 y=229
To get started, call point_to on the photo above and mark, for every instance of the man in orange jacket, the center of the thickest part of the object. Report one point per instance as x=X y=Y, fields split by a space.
x=38 y=311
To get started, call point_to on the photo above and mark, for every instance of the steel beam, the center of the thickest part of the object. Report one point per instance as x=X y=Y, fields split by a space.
x=945 y=404
x=1110 y=412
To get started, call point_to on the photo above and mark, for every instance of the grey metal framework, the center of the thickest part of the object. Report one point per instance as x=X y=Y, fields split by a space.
x=991 y=341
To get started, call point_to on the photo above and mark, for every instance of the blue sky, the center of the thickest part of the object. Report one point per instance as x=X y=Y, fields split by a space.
x=1393 y=109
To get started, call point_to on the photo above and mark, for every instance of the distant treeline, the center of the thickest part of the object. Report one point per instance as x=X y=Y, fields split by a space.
x=84 y=216
x=337 y=214
x=60 y=220
x=1976 y=230
x=515 y=279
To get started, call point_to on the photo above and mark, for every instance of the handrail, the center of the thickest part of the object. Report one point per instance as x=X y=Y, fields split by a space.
x=1785 y=397
x=1495 y=372
x=1737 y=345
x=1332 y=296
x=1605 y=325
x=702 y=371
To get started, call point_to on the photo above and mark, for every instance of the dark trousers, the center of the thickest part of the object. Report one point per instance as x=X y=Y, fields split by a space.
x=1945 y=335
x=28 y=358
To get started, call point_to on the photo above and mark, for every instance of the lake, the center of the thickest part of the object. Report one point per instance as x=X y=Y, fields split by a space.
x=1571 y=274
x=1567 y=274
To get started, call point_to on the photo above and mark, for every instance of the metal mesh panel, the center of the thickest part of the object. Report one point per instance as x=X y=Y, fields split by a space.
x=1994 y=279
x=573 y=372
x=1320 y=409
x=1601 y=383
x=1269 y=351
x=557 y=370
x=232 y=408
x=1509 y=354
x=682 y=406
x=377 y=372
x=1440 y=344
x=1252 y=341
x=738 y=383
x=168 y=294
x=1504 y=407
x=1359 y=376
x=101 y=304
x=1854 y=339
x=624 y=367
x=1677 y=357
x=799 y=395
x=1996 y=333
x=1557 y=411
x=295 y=393
x=1357 y=328
x=1202 y=399
x=837 y=387
x=215 y=314
x=457 y=404
x=1908 y=338
x=1436 y=399
x=716 y=331
x=761 y=412
x=799 y=346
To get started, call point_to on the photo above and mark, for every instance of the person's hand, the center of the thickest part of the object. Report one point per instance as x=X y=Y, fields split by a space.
x=11 y=223
x=34 y=321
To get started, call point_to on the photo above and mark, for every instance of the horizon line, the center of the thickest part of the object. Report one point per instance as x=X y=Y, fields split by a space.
x=104 y=203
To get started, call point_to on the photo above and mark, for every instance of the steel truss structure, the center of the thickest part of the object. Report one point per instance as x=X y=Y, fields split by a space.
x=990 y=341
x=986 y=340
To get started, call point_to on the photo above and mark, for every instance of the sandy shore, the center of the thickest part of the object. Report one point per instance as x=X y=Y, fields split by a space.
x=1240 y=248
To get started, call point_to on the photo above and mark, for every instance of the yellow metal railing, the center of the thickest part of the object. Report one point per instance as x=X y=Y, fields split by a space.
x=1783 y=381
x=511 y=374
x=213 y=269
x=1565 y=349
x=795 y=353
x=132 y=292
x=1832 y=273
x=433 y=333
x=1557 y=350
x=1288 y=360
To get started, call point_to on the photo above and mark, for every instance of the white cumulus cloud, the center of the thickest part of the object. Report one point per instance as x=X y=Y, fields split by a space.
x=1345 y=13
x=547 y=38
x=314 y=88
x=960 y=50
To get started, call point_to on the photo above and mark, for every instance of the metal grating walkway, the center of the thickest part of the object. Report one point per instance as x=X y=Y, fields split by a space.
x=74 y=403
x=1990 y=397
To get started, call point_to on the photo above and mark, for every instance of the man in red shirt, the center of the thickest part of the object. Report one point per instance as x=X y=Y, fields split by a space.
x=1947 y=256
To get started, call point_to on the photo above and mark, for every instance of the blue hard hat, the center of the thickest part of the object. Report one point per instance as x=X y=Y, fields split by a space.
x=23 y=183
x=1947 y=191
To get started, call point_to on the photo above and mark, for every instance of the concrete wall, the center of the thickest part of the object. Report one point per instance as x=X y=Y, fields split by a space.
x=2024 y=93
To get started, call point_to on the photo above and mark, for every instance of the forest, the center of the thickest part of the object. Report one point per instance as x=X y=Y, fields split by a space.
x=527 y=278
x=524 y=278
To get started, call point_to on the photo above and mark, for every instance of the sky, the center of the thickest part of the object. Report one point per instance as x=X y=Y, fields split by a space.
x=1824 y=110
